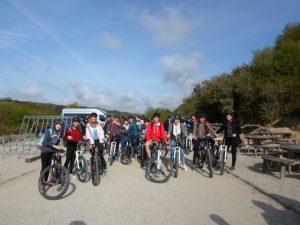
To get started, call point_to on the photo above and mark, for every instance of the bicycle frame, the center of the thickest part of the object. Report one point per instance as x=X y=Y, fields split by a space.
x=223 y=148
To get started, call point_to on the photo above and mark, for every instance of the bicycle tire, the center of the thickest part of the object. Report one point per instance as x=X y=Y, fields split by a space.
x=153 y=164
x=126 y=156
x=63 y=189
x=209 y=162
x=200 y=159
x=82 y=173
x=176 y=164
x=112 y=155
x=95 y=171
x=222 y=163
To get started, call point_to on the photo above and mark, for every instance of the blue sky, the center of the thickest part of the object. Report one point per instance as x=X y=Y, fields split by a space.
x=129 y=55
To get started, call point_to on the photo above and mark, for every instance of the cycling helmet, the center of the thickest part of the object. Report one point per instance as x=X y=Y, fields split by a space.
x=201 y=115
x=93 y=115
x=156 y=115
x=177 y=117
x=75 y=119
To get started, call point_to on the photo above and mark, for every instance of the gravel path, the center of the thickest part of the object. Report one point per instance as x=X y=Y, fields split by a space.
x=126 y=197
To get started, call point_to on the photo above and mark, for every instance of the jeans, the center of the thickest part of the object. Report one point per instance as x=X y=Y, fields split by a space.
x=135 y=143
x=124 y=141
x=173 y=145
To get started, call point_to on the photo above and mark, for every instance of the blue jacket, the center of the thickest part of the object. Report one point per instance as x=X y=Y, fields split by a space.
x=134 y=130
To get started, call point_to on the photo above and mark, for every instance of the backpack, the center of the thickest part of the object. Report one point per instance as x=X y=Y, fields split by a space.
x=40 y=142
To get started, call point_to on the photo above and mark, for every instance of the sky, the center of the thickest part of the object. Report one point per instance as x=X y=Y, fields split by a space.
x=129 y=55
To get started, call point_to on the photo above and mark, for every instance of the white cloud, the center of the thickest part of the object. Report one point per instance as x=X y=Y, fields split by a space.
x=13 y=36
x=124 y=101
x=170 y=28
x=27 y=94
x=181 y=70
x=110 y=42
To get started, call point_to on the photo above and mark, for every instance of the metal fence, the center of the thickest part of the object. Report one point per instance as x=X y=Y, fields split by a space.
x=31 y=131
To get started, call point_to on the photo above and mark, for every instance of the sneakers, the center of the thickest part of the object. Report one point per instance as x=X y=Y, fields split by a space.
x=185 y=168
x=105 y=173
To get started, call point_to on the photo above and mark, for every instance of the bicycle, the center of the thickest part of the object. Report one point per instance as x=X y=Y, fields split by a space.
x=81 y=167
x=54 y=180
x=220 y=156
x=159 y=168
x=112 y=150
x=126 y=155
x=188 y=144
x=97 y=168
x=176 y=156
x=142 y=156
x=204 y=154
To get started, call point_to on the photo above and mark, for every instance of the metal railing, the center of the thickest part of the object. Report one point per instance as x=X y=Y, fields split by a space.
x=31 y=131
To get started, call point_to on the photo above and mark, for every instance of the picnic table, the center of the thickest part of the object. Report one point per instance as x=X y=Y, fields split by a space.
x=291 y=148
x=260 y=141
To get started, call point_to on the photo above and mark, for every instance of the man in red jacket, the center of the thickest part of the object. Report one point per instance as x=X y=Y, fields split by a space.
x=155 y=132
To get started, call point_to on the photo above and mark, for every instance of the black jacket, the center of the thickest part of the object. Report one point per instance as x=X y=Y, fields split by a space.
x=236 y=129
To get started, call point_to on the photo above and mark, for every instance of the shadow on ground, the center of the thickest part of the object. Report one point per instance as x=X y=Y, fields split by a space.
x=218 y=219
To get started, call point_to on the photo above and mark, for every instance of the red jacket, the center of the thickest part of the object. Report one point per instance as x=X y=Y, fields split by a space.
x=75 y=133
x=156 y=132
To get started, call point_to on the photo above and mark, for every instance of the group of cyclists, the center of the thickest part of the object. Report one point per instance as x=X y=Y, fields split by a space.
x=132 y=130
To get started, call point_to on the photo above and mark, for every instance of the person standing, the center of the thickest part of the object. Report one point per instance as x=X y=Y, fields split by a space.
x=232 y=131
x=72 y=137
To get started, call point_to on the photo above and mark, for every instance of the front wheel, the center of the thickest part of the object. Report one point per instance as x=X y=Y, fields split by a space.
x=176 y=164
x=126 y=156
x=209 y=162
x=159 y=169
x=57 y=186
x=112 y=154
x=82 y=169
x=222 y=162
x=95 y=171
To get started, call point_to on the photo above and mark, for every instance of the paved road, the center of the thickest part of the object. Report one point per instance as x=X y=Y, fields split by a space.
x=126 y=197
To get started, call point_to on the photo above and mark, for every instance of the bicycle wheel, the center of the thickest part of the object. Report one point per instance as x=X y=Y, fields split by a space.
x=112 y=154
x=222 y=162
x=176 y=164
x=82 y=170
x=142 y=156
x=201 y=158
x=57 y=186
x=209 y=162
x=95 y=171
x=159 y=170
x=126 y=156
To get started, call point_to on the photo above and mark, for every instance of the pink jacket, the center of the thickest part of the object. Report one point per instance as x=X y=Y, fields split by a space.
x=90 y=136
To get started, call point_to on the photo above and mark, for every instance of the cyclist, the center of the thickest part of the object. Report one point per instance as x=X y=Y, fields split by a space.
x=115 y=131
x=107 y=124
x=155 y=132
x=95 y=135
x=72 y=137
x=168 y=122
x=134 y=133
x=201 y=129
x=50 y=143
x=125 y=137
x=177 y=130
x=232 y=131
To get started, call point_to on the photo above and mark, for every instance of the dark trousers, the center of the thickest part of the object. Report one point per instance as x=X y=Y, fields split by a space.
x=231 y=143
x=99 y=148
x=135 y=143
x=46 y=159
x=70 y=156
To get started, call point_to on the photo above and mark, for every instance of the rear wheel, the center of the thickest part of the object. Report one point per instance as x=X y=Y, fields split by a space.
x=95 y=171
x=112 y=154
x=57 y=186
x=159 y=170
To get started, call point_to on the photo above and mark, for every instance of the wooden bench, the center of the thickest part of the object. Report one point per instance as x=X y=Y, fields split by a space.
x=249 y=148
x=282 y=161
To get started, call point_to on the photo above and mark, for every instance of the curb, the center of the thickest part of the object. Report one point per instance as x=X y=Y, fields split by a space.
x=278 y=200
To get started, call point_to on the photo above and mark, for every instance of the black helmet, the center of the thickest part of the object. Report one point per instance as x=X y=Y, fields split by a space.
x=177 y=117
x=93 y=115
x=75 y=119
x=156 y=115
x=201 y=115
